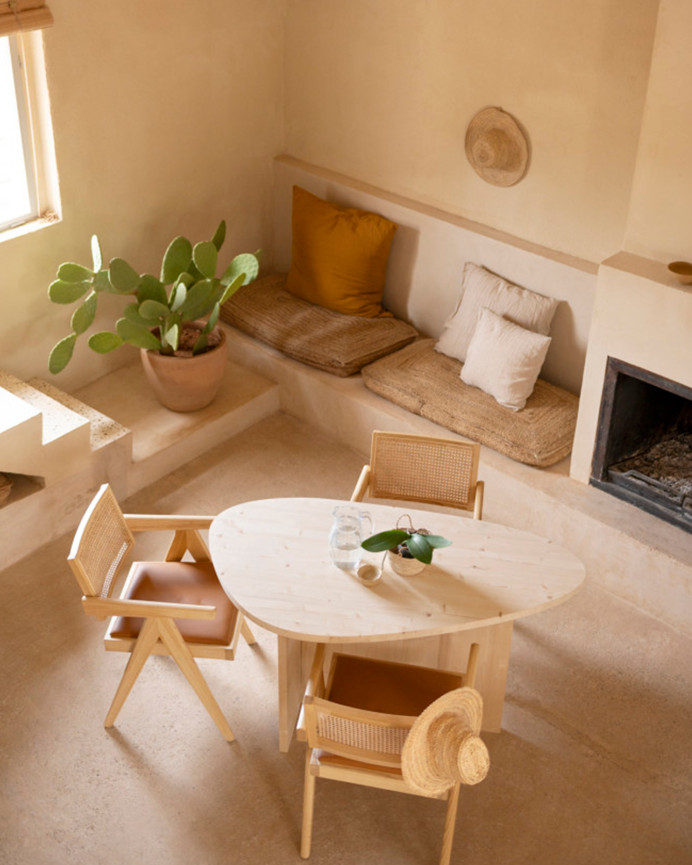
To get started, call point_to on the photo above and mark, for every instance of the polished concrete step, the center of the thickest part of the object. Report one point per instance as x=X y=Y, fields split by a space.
x=103 y=430
x=132 y=442
x=163 y=440
x=41 y=436
x=21 y=431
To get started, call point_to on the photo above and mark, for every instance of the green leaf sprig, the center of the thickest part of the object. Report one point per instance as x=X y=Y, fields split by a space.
x=419 y=543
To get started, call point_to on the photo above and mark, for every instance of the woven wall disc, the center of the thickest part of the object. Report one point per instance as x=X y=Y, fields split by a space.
x=496 y=147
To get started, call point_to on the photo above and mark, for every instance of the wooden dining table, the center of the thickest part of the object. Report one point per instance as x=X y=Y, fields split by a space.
x=272 y=558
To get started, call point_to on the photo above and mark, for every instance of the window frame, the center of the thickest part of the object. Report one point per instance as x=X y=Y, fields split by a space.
x=31 y=95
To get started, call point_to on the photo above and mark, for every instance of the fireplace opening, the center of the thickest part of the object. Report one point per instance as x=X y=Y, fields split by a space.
x=643 y=450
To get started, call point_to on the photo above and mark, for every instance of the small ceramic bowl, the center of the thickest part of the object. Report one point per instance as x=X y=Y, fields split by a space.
x=682 y=271
x=368 y=574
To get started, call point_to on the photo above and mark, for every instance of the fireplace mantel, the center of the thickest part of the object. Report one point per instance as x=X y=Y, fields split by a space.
x=642 y=316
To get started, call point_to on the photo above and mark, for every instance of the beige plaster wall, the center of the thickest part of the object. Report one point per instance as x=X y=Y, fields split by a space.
x=166 y=117
x=383 y=90
x=427 y=258
x=660 y=224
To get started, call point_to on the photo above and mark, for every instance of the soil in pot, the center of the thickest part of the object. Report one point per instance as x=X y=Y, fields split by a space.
x=184 y=381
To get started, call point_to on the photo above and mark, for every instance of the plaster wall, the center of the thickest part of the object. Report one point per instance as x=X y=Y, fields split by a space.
x=428 y=253
x=660 y=220
x=641 y=315
x=166 y=117
x=383 y=90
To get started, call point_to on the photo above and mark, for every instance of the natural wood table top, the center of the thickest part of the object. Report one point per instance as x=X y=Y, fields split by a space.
x=272 y=558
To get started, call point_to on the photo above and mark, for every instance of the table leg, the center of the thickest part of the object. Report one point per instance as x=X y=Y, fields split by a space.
x=294 y=661
x=493 y=665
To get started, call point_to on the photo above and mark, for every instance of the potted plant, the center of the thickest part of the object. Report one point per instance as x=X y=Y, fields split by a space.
x=172 y=318
x=408 y=551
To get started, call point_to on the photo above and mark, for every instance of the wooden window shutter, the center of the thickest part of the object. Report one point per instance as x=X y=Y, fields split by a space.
x=19 y=15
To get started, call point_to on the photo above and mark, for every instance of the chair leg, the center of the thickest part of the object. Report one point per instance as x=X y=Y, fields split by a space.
x=450 y=824
x=148 y=637
x=247 y=633
x=469 y=679
x=478 y=504
x=308 y=808
x=181 y=654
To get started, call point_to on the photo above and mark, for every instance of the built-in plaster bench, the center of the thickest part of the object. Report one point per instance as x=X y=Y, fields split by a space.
x=410 y=374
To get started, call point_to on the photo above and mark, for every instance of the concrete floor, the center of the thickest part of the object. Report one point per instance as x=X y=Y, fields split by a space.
x=593 y=764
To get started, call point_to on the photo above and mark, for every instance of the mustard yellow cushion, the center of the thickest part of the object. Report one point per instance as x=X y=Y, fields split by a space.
x=339 y=255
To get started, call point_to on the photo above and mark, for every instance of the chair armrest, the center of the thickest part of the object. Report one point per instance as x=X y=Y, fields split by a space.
x=103 y=607
x=165 y=522
x=361 y=486
x=315 y=687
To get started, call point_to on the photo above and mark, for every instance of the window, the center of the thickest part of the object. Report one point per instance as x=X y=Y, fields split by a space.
x=17 y=175
x=28 y=184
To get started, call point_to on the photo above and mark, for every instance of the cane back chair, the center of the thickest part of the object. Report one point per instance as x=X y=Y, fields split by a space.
x=423 y=469
x=172 y=607
x=357 y=722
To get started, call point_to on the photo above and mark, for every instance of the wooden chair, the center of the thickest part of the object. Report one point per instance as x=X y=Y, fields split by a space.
x=424 y=469
x=360 y=724
x=171 y=607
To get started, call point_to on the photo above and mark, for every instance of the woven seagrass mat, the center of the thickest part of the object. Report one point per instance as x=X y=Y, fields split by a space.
x=427 y=383
x=336 y=343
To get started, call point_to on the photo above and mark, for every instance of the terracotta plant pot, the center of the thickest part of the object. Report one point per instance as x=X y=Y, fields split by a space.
x=185 y=382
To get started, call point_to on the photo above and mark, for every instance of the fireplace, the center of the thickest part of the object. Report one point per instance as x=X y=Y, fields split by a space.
x=643 y=450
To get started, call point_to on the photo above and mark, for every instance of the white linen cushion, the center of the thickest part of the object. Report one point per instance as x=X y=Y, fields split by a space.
x=504 y=359
x=480 y=289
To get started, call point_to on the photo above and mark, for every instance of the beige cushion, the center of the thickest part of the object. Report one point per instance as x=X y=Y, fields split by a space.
x=504 y=359
x=336 y=343
x=480 y=289
x=428 y=383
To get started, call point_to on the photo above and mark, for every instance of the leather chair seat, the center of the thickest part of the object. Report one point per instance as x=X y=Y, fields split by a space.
x=181 y=583
x=392 y=688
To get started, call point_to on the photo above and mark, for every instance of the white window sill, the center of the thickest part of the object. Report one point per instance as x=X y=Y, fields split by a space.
x=48 y=218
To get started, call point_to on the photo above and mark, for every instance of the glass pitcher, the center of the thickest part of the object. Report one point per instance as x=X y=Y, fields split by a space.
x=346 y=535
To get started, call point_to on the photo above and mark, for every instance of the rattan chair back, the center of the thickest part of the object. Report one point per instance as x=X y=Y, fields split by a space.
x=100 y=545
x=424 y=469
x=357 y=734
